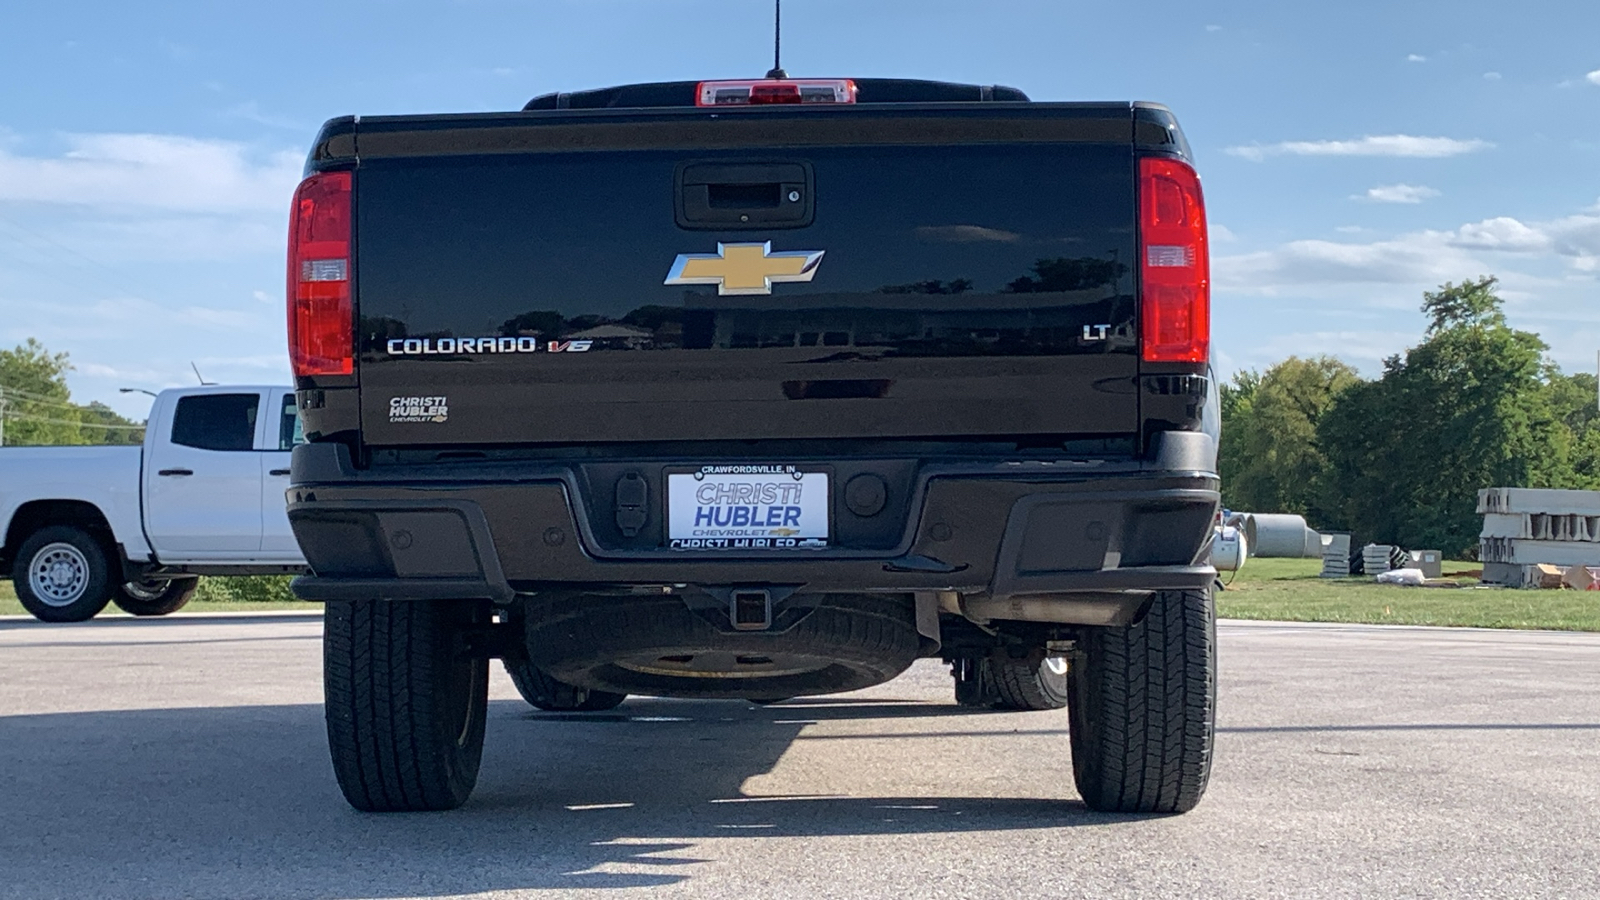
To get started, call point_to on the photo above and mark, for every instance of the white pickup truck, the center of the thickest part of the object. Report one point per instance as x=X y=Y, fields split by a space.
x=137 y=526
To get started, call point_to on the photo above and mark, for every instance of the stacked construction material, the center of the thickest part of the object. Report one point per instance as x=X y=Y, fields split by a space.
x=1523 y=527
x=1379 y=558
x=1336 y=556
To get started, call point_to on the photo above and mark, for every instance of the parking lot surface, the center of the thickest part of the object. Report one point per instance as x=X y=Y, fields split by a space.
x=184 y=757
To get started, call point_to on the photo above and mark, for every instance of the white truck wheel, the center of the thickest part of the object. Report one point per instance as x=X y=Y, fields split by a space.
x=154 y=598
x=61 y=574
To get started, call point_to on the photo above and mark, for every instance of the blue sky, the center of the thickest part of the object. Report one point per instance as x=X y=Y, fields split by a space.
x=1354 y=154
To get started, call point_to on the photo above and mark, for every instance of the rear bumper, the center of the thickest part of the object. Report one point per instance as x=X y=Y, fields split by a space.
x=1098 y=532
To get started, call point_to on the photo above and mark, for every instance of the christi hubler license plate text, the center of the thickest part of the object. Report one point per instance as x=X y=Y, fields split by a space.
x=755 y=507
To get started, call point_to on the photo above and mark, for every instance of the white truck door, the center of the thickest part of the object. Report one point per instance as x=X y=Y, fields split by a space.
x=203 y=478
x=282 y=433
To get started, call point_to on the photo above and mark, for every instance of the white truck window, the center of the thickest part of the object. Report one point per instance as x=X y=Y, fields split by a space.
x=216 y=421
x=290 y=432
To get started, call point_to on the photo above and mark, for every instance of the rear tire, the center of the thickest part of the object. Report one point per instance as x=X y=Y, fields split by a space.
x=1143 y=708
x=62 y=574
x=1028 y=684
x=154 y=598
x=405 y=706
x=544 y=692
x=974 y=682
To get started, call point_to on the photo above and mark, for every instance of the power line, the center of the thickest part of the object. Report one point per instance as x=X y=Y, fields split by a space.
x=40 y=399
x=46 y=400
x=55 y=272
x=36 y=420
x=52 y=241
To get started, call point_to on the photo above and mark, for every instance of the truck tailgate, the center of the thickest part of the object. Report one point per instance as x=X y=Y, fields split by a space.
x=861 y=288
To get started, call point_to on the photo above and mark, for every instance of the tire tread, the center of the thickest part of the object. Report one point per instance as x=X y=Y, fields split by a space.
x=385 y=711
x=1019 y=684
x=1144 y=708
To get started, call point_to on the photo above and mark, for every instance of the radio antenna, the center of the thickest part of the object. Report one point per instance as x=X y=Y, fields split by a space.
x=202 y=378
x=777 y=41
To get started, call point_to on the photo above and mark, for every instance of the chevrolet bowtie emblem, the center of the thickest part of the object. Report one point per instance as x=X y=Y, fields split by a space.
x=744 y=268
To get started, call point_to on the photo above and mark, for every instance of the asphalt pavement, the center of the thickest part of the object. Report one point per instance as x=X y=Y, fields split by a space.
x=184 y=757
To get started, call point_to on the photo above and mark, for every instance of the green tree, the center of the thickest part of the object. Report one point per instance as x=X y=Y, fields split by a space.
x=104 y=425
x=1469 y=407
x=1236 y=397
x=1276 y=462
x=38 y=407
x=1574 y=399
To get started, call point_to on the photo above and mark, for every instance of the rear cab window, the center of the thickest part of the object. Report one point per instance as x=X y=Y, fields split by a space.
x=291 y=433
x=223 y=422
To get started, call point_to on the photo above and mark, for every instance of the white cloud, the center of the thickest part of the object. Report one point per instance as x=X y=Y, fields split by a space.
x=225 y=320
x=1213 y=28
x=1398 y=145
x=1501 y=233
x=1220 y=233
x=251 y=111
x=1414 y=258
x=1420 y=258
x=1593 y=77
x=1366 y=348
x=140 y=252
x=1398 y=193
x=1416 y=57
x=1491 y=76
x=1574 y=239
x=153 y=171
x=1359 y=298
x=122 y=239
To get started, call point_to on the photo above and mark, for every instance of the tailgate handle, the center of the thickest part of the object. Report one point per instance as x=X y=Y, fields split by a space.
x=744 y=195
x=171 y=472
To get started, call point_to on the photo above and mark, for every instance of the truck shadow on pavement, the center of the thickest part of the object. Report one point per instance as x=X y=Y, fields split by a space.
x=241 y=802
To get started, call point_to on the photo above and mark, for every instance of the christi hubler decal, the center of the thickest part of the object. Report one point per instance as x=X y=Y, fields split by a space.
x=419 y=409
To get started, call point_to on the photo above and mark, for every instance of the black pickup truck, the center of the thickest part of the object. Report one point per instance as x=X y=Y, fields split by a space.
x=757 y=389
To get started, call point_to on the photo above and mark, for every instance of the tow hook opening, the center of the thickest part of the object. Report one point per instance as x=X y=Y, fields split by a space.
x=751 y=610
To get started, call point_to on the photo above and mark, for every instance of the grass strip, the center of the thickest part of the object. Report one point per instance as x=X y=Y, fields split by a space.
x=1289 y=590
x=1286 y=590
x=244 y=594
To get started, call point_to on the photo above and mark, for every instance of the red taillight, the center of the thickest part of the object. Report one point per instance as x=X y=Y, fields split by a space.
x=321 y=331
x=775 y=90
x=1175 y=263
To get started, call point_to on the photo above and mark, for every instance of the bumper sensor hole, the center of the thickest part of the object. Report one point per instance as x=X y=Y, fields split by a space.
x=684 y=658
x=753 y=660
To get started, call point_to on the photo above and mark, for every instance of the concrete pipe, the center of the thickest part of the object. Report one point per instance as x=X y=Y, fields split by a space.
x=1280 y=535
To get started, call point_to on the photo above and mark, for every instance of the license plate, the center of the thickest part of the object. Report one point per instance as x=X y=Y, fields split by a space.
x=754 y=507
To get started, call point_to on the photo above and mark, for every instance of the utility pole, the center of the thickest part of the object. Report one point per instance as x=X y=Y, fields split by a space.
x=2 y=417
